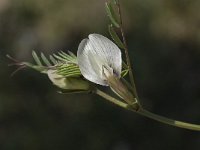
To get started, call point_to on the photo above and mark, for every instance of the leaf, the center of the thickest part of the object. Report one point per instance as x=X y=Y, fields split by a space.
x=59 y=57
x=65 y=64
x=112 y=15
x=124 y=65
x=70 y=53
x=45 y=60
x=36 y=58
x=53 y=60
x=115 y=2
x=64 y=57
x=124 y=72
x=115 y=37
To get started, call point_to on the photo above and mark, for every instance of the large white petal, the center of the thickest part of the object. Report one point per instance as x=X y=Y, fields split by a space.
x=107 y=51
x=90 y=65
x=96 y=52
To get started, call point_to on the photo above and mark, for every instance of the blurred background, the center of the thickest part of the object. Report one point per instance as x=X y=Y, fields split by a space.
x=164 y=42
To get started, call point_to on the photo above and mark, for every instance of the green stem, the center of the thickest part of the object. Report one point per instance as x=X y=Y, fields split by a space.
x=111 y=99
x=168 y=121
x=148 y=114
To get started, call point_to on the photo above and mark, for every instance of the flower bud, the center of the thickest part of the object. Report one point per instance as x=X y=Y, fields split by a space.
x=67 y=83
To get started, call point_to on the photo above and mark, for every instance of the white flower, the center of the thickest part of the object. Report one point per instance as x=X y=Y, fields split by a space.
x=99 y=59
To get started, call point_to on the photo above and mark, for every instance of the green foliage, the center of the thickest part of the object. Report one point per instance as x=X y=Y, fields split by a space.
x=115 y=37
x=45 y=60
x=111 y=14
x=115 y=2
x=124 y=72
x=125 y=69
x=64 y=64
x=36 y=58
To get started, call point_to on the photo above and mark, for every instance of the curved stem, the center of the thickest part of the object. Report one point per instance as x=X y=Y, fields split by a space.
x=168 y=121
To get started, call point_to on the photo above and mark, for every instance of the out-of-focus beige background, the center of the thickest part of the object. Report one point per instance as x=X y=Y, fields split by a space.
x=164 y=42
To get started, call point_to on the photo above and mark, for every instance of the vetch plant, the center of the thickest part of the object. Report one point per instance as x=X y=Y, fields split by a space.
x=99 y=61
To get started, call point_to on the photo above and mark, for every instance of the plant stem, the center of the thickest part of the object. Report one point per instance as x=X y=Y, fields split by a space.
x=148 y=114
x=110 y=98
x=126 y=51
x=168 y=121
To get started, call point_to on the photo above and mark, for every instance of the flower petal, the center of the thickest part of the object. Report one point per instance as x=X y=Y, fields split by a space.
x=87 y=63
x=108 y=51
x=96 y=52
